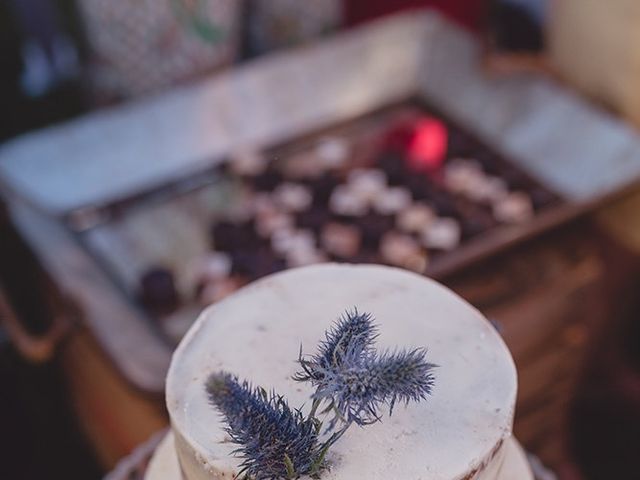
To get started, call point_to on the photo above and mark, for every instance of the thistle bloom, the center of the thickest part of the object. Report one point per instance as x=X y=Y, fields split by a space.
x=275 y=440
x=353 y=380
x=361 y=385
x=352 y=336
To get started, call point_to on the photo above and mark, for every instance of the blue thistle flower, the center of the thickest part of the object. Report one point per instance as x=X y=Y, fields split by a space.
x=275 y=440
x=352 y=335
x=362 y=384
x=350 y=377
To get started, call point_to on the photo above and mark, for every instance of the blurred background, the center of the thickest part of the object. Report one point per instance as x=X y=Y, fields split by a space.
x=157 y=155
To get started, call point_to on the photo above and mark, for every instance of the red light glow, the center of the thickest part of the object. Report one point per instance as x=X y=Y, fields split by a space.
x=428 y=147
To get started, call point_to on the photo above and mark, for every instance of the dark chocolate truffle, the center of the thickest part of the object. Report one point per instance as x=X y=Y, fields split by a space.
x=158 y=292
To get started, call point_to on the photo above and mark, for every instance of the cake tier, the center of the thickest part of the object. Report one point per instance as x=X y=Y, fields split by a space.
x=458 y=433
x=164 y=464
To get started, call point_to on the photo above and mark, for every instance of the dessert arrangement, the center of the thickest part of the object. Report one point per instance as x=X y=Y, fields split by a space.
x=359 y=407
x=401 y=187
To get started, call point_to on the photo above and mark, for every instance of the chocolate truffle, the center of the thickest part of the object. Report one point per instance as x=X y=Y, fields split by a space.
x=367 y=183
x=268 y=223
x=158 y=292
x=392 y=200
x=322 y=189
x=333 y=152
x=373 y=227
x=402 y=251
x=230 y=236
x=442 y=234
x=346 y=202
x=415 y=218
x=292 y=197
x=341 y=240
x=516 y=207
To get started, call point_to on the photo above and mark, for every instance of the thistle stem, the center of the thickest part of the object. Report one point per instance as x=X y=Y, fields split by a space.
x=314 y=407
x=336 y=436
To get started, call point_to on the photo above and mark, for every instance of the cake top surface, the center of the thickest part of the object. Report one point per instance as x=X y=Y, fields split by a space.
x=257 y=333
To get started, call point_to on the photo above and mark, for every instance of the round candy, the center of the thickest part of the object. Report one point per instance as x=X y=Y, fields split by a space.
x=341 y=240
x=392 y=200
x=516 y=207
x=267 y=224
x=293 y=197
x=158 y=291
x=396 y=248
x=344 y=201
x=367 y=183
x=333 y=152
x=415 y=218
x=442 y=234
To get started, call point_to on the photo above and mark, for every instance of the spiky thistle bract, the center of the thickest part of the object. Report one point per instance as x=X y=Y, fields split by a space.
x=353 y=380
x=362 y=384
x=275 y=441
x=352 y=336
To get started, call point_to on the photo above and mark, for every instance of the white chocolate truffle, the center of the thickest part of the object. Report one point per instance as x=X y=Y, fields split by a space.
x=268 y=224
x=344 y=201
x=514 y=208
x=488 y=189
x=367 y=183
x=392 y=200
x=292 y=197
x=333 y=152
x=281 y=240
x=286 y=241
x=459 y=432
x=442 y=233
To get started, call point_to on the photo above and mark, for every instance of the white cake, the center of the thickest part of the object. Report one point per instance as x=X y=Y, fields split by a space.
x=462 y=431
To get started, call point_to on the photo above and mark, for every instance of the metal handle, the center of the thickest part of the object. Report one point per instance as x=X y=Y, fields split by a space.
x=36 y=349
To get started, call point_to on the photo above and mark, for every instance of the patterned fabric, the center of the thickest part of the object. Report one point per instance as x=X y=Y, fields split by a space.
x=276 y=24
x=138 y=46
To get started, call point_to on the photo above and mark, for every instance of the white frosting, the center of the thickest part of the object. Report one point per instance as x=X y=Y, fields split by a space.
x=256 y=333
x=164 y=463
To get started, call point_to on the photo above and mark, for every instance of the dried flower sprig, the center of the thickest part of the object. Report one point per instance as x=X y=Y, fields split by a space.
x=351 y=379
x=357 y=389
x=275 y=440
x=352 y=337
